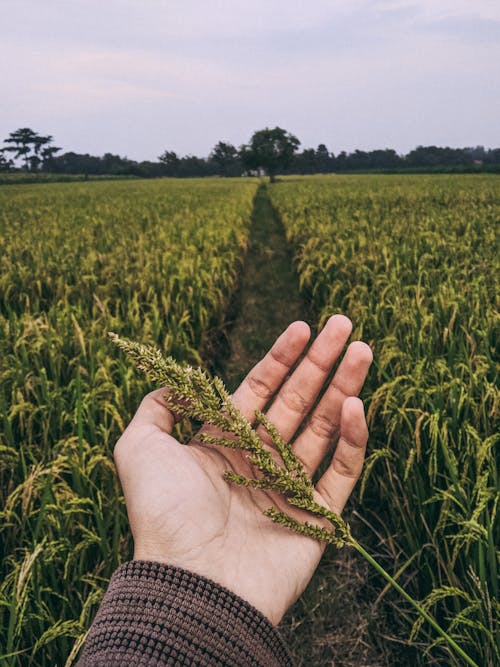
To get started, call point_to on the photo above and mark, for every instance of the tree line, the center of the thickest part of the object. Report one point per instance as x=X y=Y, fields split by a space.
x=269 y=151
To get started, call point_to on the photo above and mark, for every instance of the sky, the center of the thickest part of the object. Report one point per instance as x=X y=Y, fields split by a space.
x=138 y=77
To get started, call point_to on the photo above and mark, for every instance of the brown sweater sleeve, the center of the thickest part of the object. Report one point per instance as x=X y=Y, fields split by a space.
x=156 y=614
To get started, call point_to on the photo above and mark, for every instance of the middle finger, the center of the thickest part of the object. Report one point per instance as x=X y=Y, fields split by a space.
x=300 y=391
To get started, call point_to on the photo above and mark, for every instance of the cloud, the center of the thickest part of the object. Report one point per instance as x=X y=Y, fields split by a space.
x=471 y=29
x=435 y=9
x=359 y=74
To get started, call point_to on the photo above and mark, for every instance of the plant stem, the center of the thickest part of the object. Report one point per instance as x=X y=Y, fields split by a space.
x=356 y=545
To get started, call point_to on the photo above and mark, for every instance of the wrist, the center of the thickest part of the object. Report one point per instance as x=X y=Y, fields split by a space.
x=257 y=595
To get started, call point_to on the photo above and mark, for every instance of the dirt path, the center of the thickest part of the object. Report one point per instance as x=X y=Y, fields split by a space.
x=330 y=624
x=268 y=298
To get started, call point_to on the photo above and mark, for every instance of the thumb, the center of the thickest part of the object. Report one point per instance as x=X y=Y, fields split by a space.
x=152 y=419
x=153 y=411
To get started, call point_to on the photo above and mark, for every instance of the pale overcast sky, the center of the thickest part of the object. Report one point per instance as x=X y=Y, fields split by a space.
x=136 y=77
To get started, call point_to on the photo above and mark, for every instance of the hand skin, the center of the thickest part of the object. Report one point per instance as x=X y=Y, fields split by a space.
x=183 y=513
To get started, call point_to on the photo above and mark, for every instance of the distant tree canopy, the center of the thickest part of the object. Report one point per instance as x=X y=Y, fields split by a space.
x=273 y=151
x=35 y=150
x=270 y=150
x=227 y=158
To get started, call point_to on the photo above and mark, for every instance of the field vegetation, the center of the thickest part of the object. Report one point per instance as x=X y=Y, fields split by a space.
x=156 y=261
x=414 y=262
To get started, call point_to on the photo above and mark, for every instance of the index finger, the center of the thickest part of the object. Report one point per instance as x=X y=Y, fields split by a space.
x=264 y=380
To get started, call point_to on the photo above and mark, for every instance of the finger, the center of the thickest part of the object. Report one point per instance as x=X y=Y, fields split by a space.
x=266 y=377
x=299 y=392
x=336 y=485
x=322 y=429
x=153 y=411
x=153 y=417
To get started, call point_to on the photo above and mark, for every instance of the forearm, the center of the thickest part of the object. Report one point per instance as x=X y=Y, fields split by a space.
x=155 y=614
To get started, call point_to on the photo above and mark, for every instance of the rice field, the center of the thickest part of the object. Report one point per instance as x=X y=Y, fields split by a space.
x=414 y=262
x=153 y=260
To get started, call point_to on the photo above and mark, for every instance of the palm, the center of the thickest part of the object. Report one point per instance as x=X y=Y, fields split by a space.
x=183 y=512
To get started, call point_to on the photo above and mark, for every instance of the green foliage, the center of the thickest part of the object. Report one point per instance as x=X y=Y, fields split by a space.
x=33 y=148
x=413 y=262
x=155 y=260
x=271 y=150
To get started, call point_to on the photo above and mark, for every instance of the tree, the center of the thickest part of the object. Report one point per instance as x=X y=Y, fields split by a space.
x=323 y=159
x=75 y=163
x=270 y=150
x=226 y=158
x=47 y=154
x=21 y=141
x=305 y=162
x=33 y=148
x=171 y=161
x=43 y=152
x=5 y=164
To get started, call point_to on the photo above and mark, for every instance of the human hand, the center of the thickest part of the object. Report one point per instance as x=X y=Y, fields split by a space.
x=182 y=512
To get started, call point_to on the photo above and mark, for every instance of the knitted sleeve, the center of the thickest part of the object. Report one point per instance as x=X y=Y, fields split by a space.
x=156 y=614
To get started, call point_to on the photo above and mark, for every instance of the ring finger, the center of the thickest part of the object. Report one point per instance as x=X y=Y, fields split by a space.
x=323 y=426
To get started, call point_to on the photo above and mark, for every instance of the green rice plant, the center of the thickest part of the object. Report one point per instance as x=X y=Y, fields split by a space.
x=157 y=260
x=414 y=262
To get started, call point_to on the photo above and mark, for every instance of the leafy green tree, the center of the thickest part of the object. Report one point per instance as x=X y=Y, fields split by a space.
x=47 y=154
x=31 y=147
x=5 y=164
x=270 y=150
x=227 y=159
x=171 y=162
x=21 y=141
x=43 y=152
x=323 y=159
x=306 y=162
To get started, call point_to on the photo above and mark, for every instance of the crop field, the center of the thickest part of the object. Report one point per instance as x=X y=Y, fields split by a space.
x=412 y=260
x=155 y=261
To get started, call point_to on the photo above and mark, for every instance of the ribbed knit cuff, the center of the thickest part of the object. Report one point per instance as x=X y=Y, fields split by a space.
x=156 y=614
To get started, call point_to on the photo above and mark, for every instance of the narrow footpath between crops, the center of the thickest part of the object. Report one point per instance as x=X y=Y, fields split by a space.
x=268 y=298
x=329 y=624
